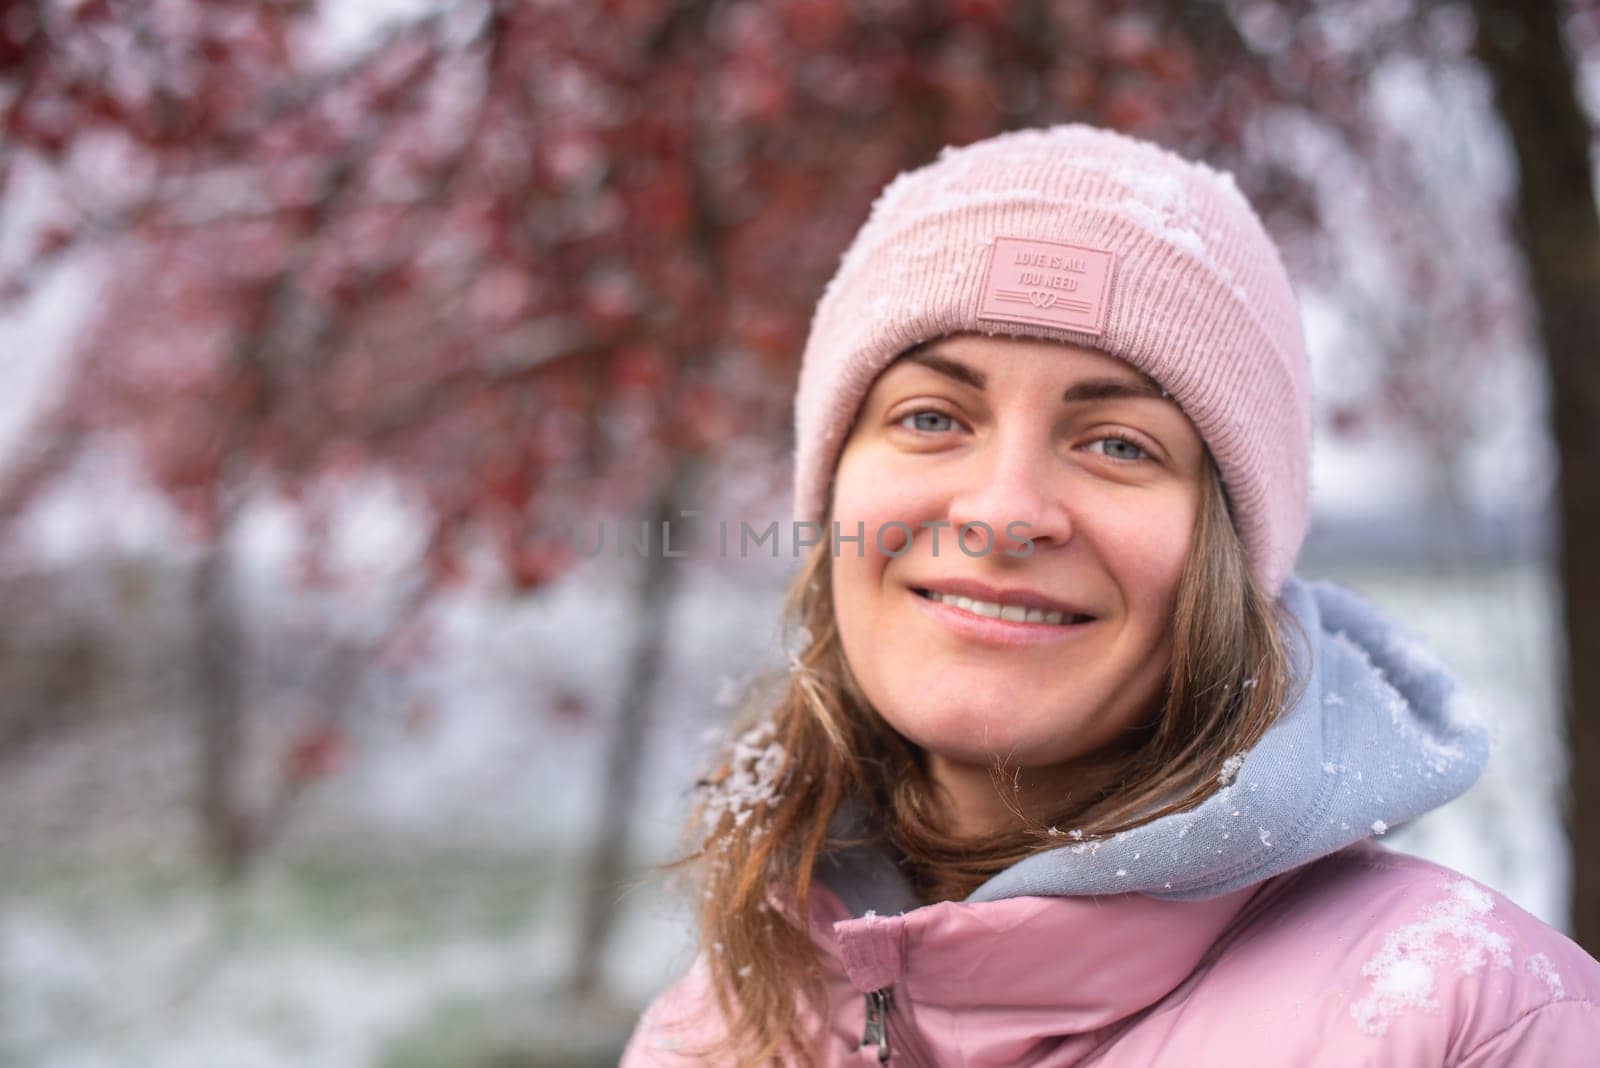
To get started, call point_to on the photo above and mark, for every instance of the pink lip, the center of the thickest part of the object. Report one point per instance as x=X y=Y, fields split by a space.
x=996 y=631
x=1016 y=595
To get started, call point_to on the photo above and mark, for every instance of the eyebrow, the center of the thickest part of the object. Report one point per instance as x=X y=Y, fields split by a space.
x=1089 y=389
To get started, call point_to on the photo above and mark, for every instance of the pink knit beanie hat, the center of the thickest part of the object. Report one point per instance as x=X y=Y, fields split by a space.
x=1079 y=234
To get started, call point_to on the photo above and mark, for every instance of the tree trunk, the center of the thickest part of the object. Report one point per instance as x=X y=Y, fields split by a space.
x=619 y=785
x=1522 y=47
x=219 y=708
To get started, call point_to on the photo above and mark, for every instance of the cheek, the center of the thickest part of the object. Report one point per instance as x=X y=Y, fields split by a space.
x=869 y=500
x=881 y=510
x=1147 y=549
x=870 y=489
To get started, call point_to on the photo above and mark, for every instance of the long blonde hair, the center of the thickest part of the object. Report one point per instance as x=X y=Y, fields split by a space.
x=763 y=816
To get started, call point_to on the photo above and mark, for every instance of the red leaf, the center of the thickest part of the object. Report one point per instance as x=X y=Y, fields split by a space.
x=315 y=754
x=53 y=239
x=570 y=708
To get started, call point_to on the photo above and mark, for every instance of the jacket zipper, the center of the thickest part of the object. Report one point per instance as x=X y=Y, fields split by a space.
x=879 y=1002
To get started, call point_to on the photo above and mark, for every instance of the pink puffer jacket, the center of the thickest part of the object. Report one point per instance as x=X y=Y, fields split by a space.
x=1365 y=957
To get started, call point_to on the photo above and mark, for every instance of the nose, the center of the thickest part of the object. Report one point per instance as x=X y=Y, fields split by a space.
x=1012 y=490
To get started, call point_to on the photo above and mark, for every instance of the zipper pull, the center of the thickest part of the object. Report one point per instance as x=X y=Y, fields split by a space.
x=879 y=1002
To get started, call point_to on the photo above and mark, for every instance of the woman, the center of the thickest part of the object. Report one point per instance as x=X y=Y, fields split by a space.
x=1071 y=768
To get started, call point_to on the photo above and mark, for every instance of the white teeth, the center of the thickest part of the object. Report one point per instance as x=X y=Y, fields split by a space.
x=982 y=608
x=995 y=610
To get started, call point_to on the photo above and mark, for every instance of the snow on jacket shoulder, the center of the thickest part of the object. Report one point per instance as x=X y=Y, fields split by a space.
x=1365 y=957
x=1375 y=957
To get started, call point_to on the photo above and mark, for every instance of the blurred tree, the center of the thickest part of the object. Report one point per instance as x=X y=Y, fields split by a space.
x=1527 y=54
x=539 y=261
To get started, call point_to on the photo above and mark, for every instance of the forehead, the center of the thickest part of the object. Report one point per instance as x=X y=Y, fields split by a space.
x=1094 y=375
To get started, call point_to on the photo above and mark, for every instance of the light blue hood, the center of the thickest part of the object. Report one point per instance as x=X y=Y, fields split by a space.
x=1381 y=733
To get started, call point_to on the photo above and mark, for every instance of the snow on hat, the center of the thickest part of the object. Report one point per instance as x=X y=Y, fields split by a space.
x=1073 y=233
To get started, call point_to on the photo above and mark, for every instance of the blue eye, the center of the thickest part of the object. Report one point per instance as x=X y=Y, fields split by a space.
x=1115 y=440
x=929 y=421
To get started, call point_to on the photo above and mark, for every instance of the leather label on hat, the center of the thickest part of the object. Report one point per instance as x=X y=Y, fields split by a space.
x=1047 y=282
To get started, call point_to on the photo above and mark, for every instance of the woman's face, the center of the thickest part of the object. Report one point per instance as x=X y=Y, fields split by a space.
x=1049 y=444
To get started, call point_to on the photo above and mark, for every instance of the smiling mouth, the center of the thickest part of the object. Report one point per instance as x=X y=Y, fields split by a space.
x=1009 y=613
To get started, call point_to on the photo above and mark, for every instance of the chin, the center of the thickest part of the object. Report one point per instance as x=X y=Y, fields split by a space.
x=971 y=737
